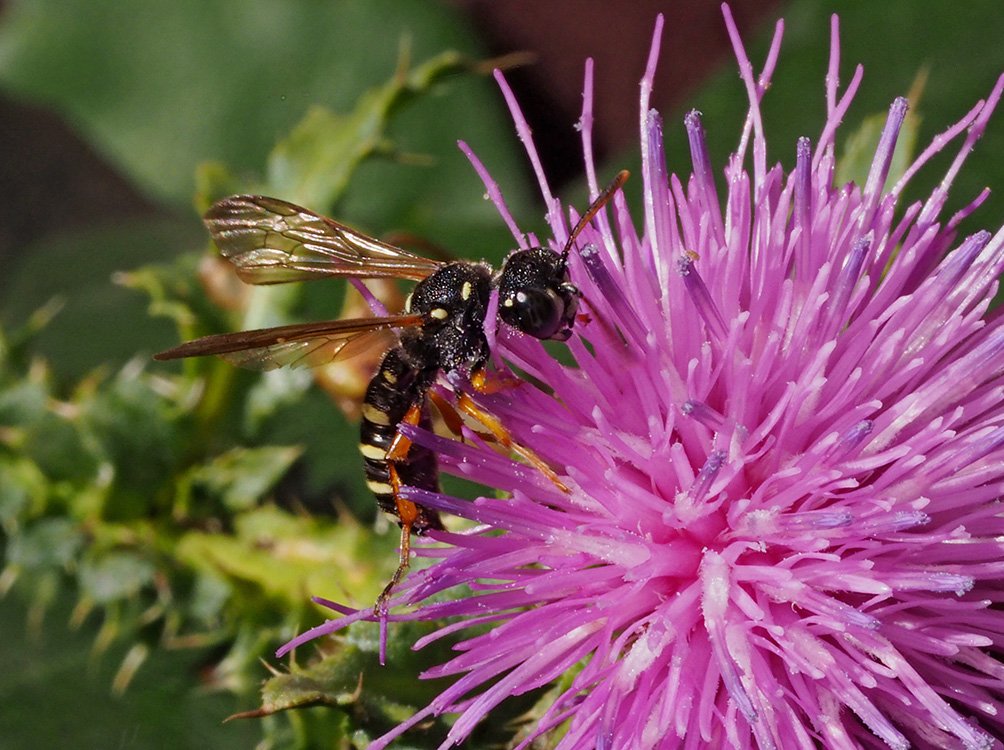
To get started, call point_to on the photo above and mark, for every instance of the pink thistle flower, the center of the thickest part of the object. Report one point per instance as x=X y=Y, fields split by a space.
x=784 y=441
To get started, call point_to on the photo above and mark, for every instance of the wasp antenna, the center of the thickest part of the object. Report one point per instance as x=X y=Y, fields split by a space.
x=594 y=208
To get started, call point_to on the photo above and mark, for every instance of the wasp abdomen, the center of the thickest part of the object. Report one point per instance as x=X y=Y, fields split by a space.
x=398 y=386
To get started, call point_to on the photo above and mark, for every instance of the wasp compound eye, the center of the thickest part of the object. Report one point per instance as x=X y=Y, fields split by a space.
x=537 y=312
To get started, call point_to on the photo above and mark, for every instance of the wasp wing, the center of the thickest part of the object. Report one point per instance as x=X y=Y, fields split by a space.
x=297 y=345
x=270 y=241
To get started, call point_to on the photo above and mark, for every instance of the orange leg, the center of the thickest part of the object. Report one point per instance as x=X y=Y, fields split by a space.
x=483 y=383
x=407 y=511
x=454 y=422
x=400 y=445
x=500 y=434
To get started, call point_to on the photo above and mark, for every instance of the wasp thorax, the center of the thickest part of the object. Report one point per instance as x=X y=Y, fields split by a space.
x=535 y=296
x=452 y=294
x=453 y=302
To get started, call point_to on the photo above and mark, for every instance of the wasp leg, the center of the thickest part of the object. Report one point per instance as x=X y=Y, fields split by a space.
x=451 y=418
x=407 y=511
x=455 y=422
x=498 y=433
x=482 y=382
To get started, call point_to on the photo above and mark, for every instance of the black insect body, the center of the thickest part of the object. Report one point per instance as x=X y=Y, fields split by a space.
x=401 y=382
x=442 y=328
x=453 y=301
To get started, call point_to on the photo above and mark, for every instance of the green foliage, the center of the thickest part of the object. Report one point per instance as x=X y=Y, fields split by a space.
x=349 y=679
x=162 y=87
x=346 y=679
x=161 y=499
x=99 y=489
x=53 y=688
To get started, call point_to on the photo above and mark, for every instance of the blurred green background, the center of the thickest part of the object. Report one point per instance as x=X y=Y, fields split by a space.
x=163 y=525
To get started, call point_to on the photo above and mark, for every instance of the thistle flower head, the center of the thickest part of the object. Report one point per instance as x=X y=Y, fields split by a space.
x=783 y=439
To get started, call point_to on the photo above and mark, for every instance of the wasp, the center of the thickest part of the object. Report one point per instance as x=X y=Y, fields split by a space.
x=442 y=328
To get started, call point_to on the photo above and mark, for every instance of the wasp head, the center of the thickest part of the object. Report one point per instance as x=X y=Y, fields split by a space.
x=535 y=295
